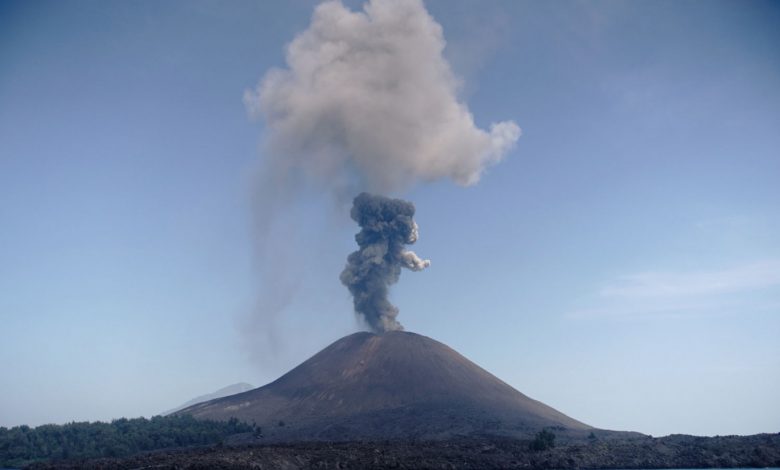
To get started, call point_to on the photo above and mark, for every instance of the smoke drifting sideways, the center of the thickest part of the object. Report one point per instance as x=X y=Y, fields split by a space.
x=368 y=101
x=387 y=225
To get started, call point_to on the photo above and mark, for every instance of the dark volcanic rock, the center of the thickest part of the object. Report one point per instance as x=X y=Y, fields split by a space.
x=394 y=385
x=761 y=450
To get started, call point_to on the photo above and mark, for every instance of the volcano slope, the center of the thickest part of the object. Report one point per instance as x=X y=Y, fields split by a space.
x=394 y=385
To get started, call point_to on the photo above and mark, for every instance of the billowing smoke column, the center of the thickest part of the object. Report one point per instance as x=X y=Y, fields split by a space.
x=366 y=101
x=386 y=226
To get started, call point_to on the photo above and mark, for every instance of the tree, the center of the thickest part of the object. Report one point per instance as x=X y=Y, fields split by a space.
x=543 y=440
x=22 y=445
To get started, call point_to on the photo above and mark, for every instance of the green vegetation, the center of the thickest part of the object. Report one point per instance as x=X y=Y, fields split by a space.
x=543 y=440
x=22 y=445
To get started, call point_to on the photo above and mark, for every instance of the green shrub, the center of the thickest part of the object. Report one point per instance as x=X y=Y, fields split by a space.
x=22 y=445
x=543 y=440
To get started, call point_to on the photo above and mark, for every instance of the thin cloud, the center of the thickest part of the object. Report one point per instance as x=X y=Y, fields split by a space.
x=683 y=284
x=671 y=294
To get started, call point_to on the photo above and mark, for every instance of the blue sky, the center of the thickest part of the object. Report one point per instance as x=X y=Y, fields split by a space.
x=622 y=264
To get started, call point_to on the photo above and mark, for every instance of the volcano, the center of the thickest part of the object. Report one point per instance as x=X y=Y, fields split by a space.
x=388 y=386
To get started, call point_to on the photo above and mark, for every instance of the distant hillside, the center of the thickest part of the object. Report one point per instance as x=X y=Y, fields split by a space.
x=222 y=392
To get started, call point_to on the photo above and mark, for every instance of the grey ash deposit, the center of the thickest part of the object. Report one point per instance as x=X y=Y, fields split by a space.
x=392 y=385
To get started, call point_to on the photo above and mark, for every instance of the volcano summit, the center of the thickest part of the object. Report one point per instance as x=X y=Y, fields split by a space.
x=386 y=386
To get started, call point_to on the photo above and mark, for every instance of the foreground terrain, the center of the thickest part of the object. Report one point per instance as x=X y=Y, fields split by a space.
x=676 y=451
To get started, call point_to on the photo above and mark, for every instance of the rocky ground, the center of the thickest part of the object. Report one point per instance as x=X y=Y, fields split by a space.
x=676 y=451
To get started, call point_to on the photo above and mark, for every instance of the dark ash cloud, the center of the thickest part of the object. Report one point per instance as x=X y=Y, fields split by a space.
x=387 y=225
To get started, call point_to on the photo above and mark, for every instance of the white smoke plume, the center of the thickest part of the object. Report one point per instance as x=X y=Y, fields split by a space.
x=368 y=101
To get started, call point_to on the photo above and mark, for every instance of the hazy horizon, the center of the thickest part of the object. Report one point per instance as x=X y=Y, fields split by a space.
x=621 y=264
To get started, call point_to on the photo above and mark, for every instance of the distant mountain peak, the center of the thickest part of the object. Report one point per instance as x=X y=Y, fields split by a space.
x=222 y=392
